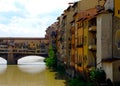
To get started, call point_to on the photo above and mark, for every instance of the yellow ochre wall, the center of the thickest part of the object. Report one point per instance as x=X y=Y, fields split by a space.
x=85 y=58
x=117 y=8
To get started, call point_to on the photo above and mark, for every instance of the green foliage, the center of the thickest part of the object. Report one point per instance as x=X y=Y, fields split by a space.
x=97 y=75
x=79 y=82
x=61 y=69
x=51 y=60
x=51 y=52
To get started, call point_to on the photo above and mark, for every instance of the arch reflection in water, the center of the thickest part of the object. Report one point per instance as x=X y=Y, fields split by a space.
x=32 y=69
x=3 y=65
x=31 y=64
x=3 y=68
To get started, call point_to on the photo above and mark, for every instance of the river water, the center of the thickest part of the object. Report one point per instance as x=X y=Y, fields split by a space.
x=28 y=75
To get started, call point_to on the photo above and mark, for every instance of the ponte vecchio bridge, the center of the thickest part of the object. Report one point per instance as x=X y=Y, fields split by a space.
x=13 y=49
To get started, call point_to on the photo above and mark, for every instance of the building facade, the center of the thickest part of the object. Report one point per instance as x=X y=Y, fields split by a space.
x=89 y=37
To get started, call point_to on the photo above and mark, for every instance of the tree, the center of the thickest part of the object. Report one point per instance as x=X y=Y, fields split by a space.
x=51 y=52
x=51 y=60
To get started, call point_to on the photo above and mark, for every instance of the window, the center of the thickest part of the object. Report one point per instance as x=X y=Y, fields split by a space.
x=118 y=11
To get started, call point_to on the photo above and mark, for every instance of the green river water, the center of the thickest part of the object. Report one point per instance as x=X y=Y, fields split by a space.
x=28 y=75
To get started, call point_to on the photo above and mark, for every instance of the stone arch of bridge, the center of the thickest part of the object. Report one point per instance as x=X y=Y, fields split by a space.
x=3 y=60
x=30 y=59
x=13 y=58
x=18 y=57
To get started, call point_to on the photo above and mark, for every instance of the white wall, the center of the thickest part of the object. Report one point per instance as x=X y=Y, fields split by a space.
x=104 y=37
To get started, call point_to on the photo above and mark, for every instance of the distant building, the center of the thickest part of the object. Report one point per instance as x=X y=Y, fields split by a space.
x=24 y=44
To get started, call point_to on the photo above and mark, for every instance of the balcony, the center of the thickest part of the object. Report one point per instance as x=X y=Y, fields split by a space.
x=92 y=47
x=92 y=29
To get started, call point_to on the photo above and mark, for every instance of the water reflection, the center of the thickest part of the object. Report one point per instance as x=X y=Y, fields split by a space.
x=32 y=68
x=31 y=64
x=3 y=65
x=15 y=77
x=28 y=73
x=3 y=68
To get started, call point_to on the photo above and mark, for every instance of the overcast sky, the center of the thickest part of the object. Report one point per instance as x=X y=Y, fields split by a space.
x=29 y=18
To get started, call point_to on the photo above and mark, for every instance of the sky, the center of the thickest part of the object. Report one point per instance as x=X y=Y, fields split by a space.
x=29 y=18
